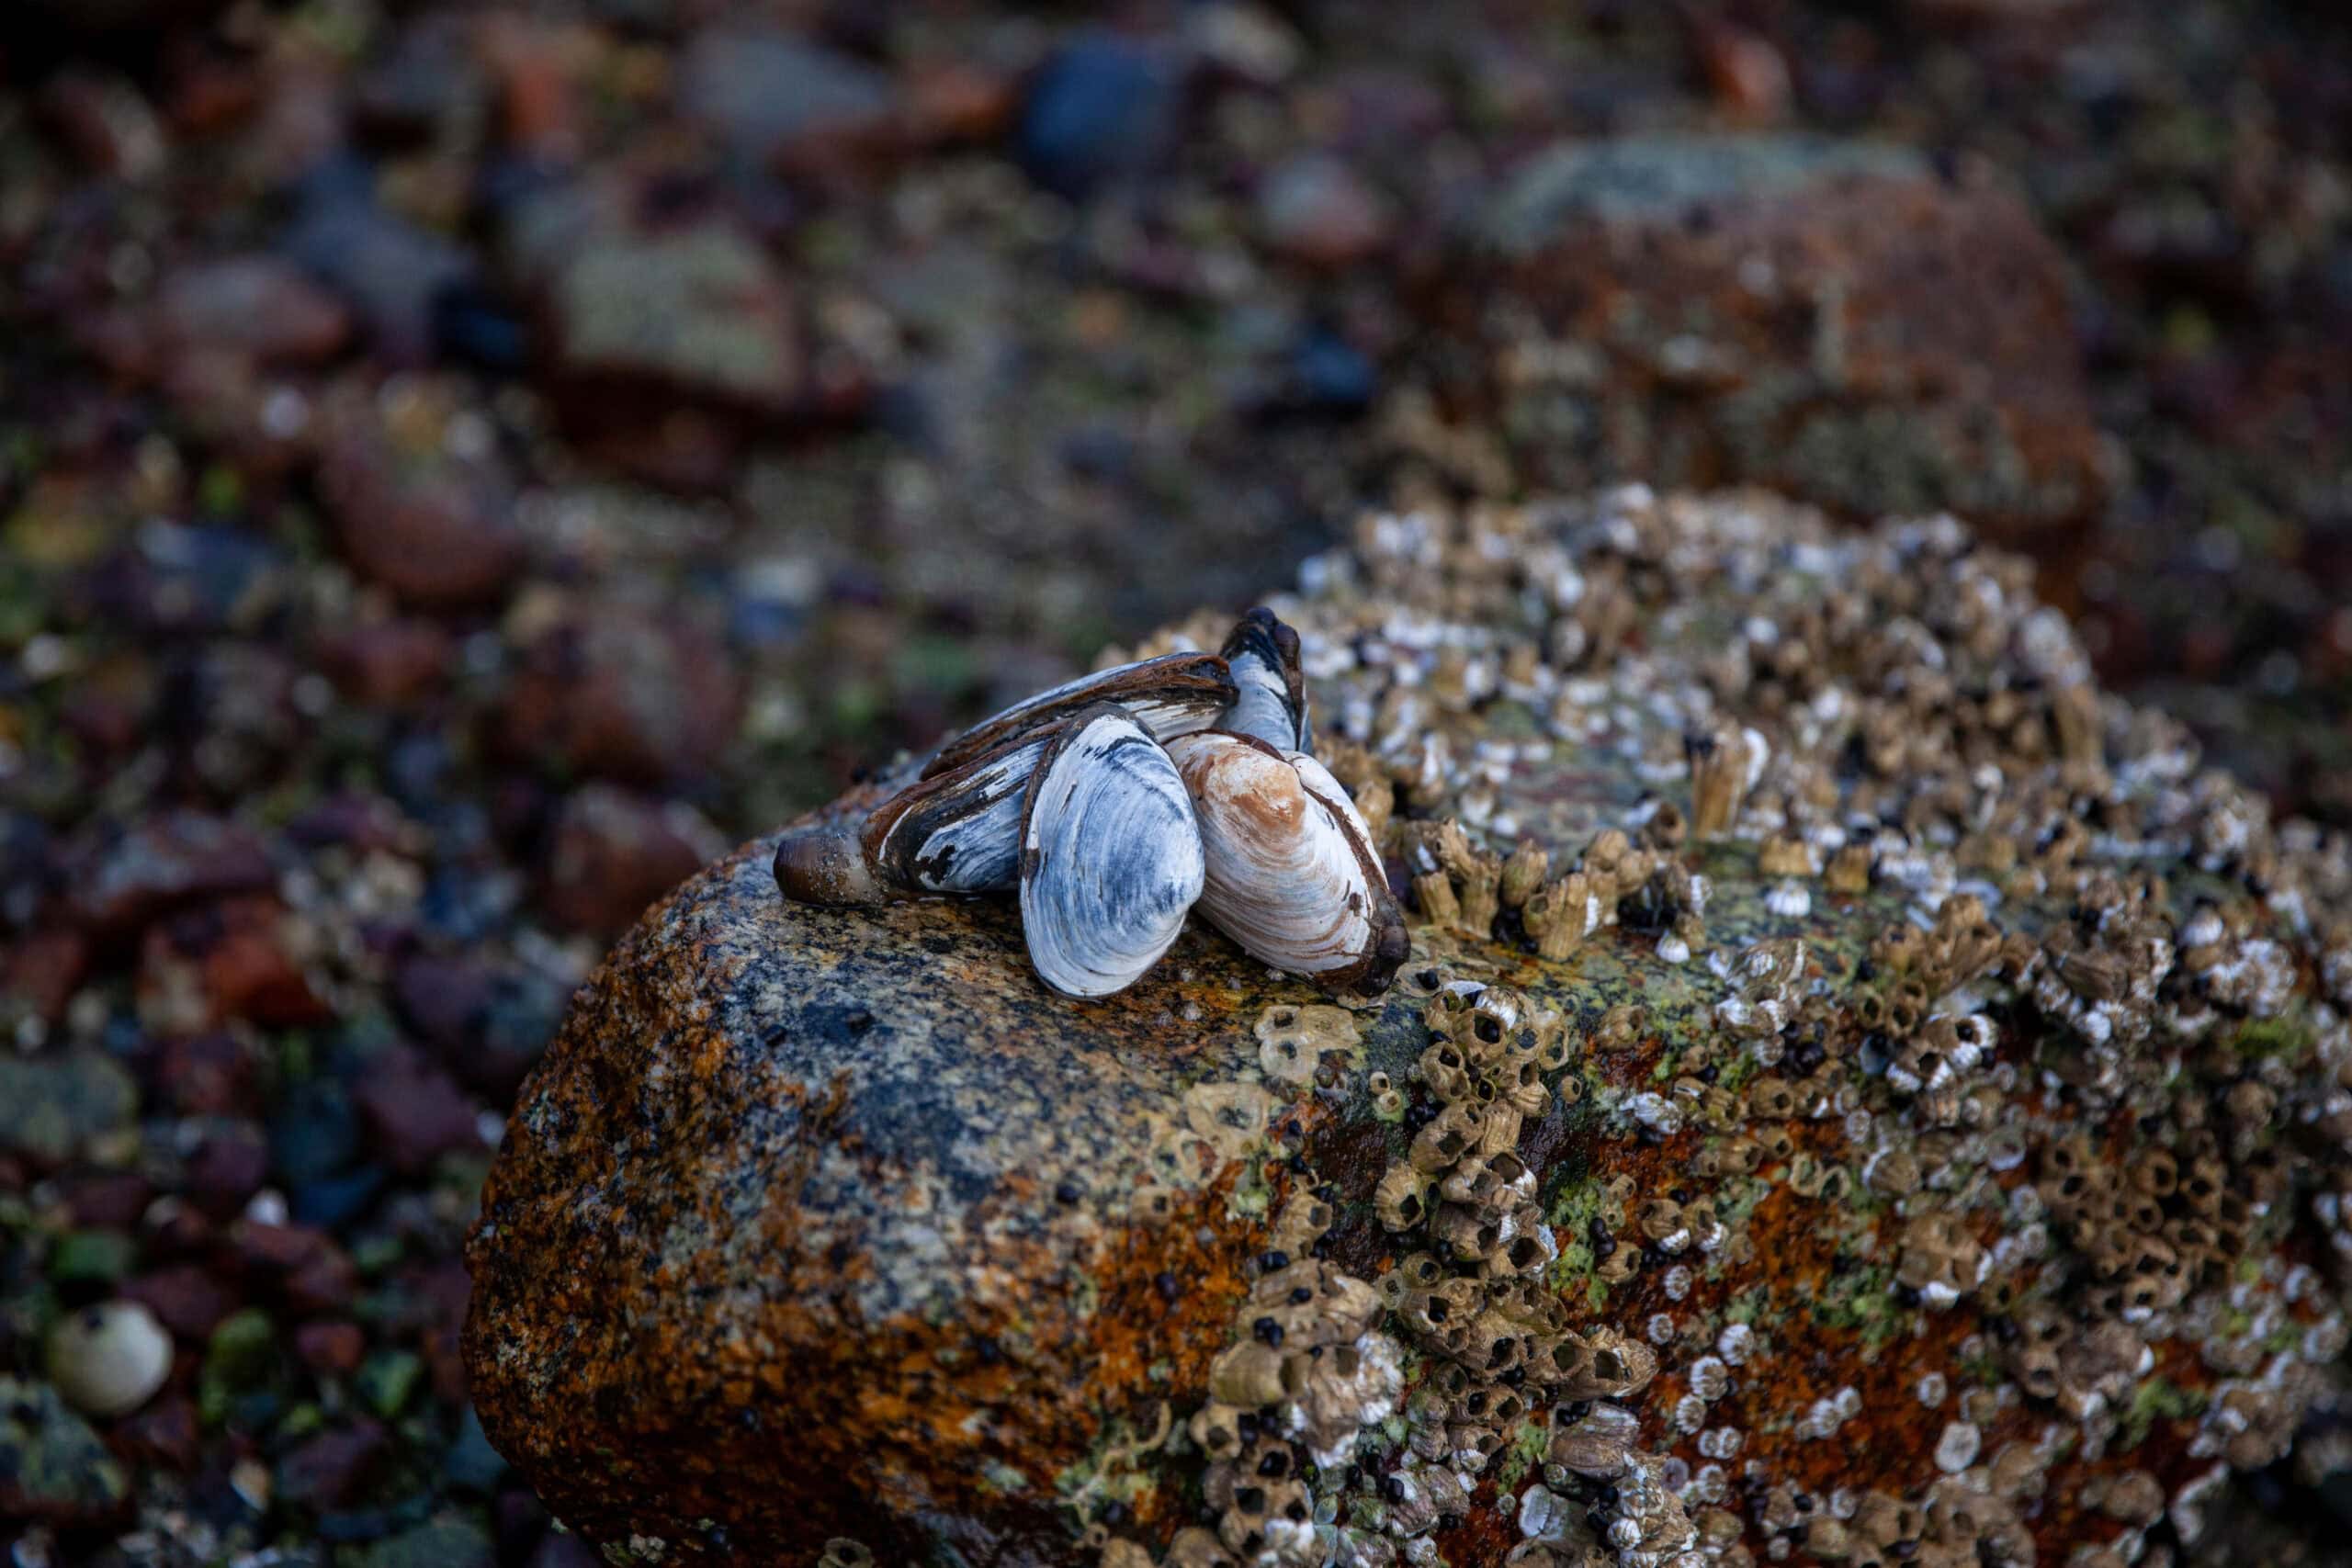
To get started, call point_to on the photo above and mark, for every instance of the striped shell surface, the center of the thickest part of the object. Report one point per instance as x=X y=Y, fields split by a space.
x=1167 y=696
x=1111 y=859
x=959 y=831
x=1292 y=875
x=1270 y=693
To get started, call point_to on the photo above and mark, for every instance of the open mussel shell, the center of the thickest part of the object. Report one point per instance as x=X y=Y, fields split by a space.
x=1270 y=690
x=1292 y=874
x=959 y=831
x=1110 y=856
x=1169 y=696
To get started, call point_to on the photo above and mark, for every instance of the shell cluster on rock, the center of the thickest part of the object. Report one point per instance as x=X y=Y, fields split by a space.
x=1117 y=804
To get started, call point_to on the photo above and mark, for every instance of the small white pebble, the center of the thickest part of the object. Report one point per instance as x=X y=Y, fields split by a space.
x=108 y=1360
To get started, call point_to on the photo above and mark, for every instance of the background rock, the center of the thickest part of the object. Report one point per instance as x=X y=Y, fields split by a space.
x=1832 y=318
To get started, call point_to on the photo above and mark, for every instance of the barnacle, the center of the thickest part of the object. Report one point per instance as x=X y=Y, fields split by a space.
x=1724 y=765
x=1598 y=1444
x=1292 y=1039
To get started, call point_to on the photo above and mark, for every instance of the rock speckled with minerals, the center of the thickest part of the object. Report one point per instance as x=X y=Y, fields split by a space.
x=1858 y=1094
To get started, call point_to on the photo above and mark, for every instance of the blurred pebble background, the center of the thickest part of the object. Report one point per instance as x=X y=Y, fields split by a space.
x=462 y=465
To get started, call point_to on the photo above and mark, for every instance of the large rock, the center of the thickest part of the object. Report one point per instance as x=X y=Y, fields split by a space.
x=1834 y=319
x=1922 y=1141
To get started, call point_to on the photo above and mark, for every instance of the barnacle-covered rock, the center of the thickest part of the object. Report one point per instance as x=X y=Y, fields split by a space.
x=1990 y=1202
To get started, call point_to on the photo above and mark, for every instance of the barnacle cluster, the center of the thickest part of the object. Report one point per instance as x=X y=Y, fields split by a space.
x=1891 y=1107
x=1312 y=1372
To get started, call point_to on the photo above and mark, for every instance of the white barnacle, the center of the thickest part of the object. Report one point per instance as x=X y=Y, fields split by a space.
x=1957 y=1448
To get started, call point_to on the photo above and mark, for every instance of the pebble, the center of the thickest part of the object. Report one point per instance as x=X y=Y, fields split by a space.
x=388 y=663
x=437 y=533
x=390 y=270
x=1315 y=207
x=301 y=1262
x=315 y=1132
x=445 y=1543
x=611 y=852
x=387 y=1380
x=109 y=1360
x=259 y=306
x=329 y=1470
x=53 y=1467
x=123 y=879
x=330 y=1349
x=413 y=1111
x=212 y=1074
x=52 y=1108
x=91 y=1257
x=472 y=1464
x=485 y=1023
x=186 y=1298
x=777 y=100
x=697 y=311
x=1103 y=106
x=107 y=121
x=334 y=1201
x=228 y=1164
x=610 y=691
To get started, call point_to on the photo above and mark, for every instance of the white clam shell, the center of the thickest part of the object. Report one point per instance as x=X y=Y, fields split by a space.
x=1269 y=701
x=959 y=831
x=1167 y=696
x=1292 y=874
x=1110 y=858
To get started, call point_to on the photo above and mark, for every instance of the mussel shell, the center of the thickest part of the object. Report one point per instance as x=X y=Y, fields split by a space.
x=824 y=862
x=1269 y=701
x=1172 y=694
x=959 y=831
x=1110 y=855
x=1292 y=874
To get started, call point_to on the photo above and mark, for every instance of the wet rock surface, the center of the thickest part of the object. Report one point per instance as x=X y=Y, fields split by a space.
x=1737 y=1101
